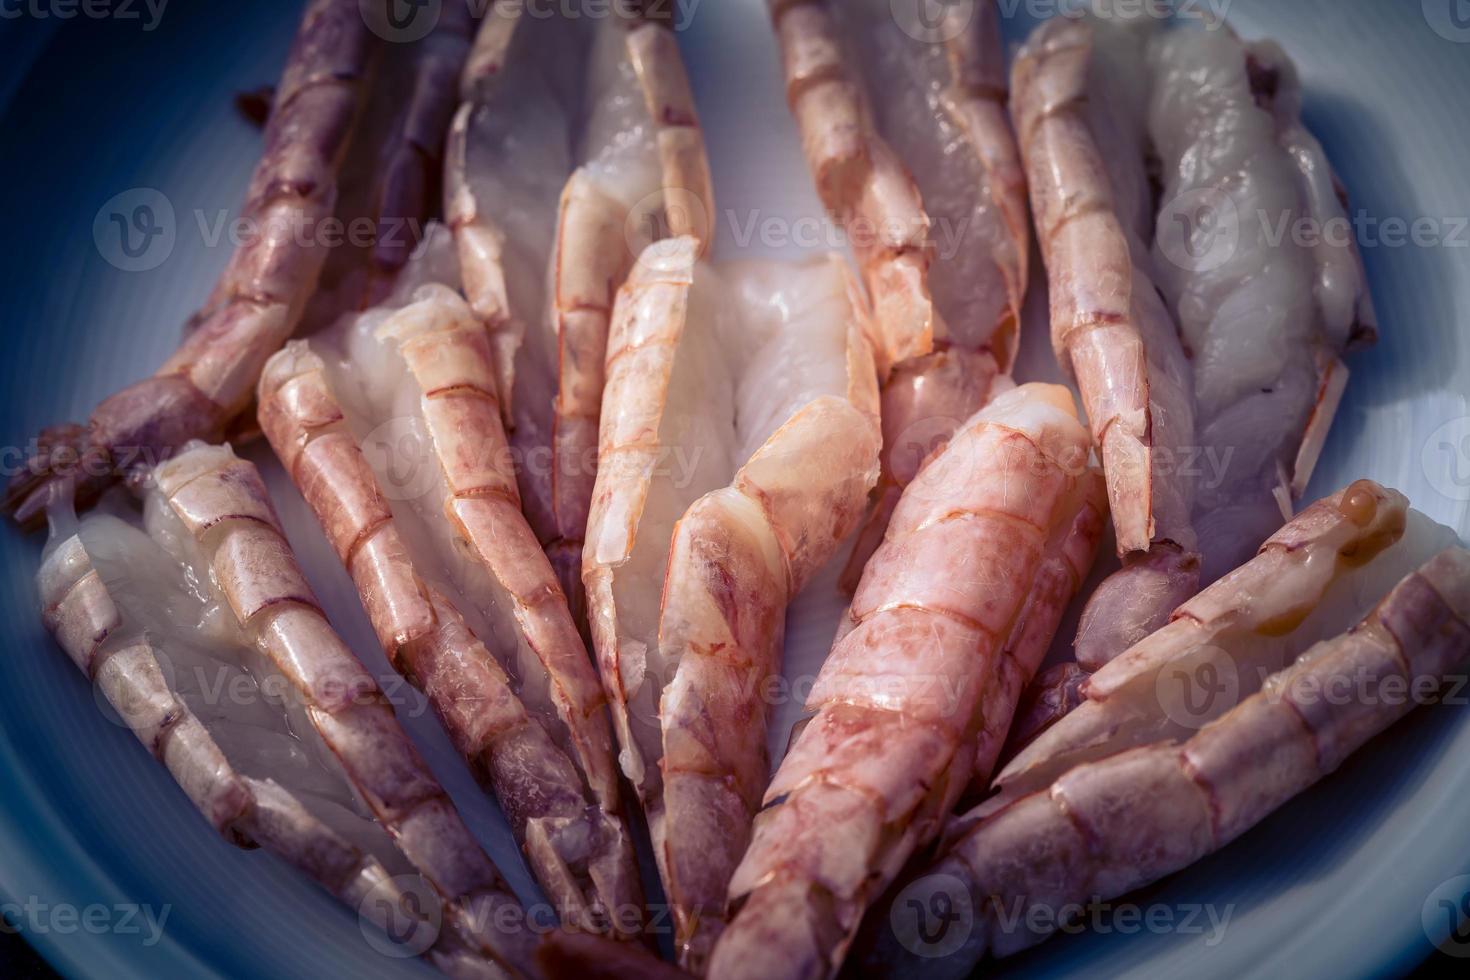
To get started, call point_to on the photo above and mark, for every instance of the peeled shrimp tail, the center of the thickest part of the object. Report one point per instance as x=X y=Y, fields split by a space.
x=563 y=807
x=860 y=180
x=976 y=102
x=221 y=501
x=1105 y=828
x=1237 y=617
x=1268 y=320
x=899 y=706
x=262 y=291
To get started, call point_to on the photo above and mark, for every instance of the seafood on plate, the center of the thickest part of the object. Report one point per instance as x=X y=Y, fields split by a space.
x=390 y=425
x=908 y=140
x=320 y=136
x=739 y=442
x=199 y=594
x=1114 y=823
x=577 y=143
x=1212 y=406
x=949 y=622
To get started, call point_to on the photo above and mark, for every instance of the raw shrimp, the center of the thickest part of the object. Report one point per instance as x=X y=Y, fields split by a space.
x=918 y=690
x=305 y=757
x=1264 y=316
x=937 y=108
x=202 y=388
x=1077 y=86
x=391 y=428
x=739 y=442
x=1310 y=580
x=577 y=144
x=1104 y=828
x=1268 y=315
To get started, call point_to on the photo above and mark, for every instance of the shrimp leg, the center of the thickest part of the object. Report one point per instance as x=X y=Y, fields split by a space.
x=903 y=707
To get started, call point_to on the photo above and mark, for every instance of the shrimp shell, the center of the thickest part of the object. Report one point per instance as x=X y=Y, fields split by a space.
x=543 y=789
x=915 y=690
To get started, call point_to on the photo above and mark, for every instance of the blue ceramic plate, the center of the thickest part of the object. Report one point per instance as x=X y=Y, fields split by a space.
x=109 y=870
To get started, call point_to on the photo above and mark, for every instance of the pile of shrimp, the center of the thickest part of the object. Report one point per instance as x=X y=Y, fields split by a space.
x=577 y=462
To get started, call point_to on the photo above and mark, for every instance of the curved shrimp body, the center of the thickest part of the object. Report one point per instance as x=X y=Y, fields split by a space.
x=919 y=686
x=784 y=455
x=1076 y=85
x=1267 y=317
x=262 y=294
x=1309 y=581
x=915 y=155
x=455 y=583
x=207 y=591
x=577 y=144
x=1104 y=828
